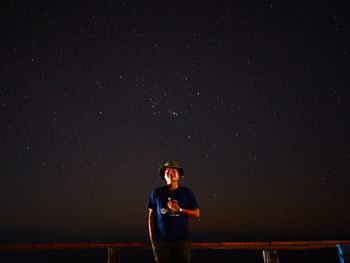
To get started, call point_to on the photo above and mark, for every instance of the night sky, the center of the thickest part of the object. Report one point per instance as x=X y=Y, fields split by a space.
x=252 y=98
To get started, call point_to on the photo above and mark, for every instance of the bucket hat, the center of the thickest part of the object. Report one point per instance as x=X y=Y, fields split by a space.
x=170 y=164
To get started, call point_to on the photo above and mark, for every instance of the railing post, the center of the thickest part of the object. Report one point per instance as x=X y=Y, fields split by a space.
x=344 y=253
x=113 y=255
x=270 y=256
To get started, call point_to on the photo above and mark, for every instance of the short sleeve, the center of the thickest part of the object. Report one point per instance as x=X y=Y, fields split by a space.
x=193 y=200
x=151 y=202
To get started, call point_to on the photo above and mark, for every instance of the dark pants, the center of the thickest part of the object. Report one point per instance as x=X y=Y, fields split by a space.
x=172 y=252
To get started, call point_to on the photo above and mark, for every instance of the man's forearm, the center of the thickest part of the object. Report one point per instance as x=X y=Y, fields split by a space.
x=174 y=207
x=150 y=225
x=195 y=213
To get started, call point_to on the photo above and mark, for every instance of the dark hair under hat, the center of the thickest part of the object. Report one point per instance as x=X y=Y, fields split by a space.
x=170 y=164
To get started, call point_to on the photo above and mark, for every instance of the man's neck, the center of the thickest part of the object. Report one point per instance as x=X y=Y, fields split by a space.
x=173 y=185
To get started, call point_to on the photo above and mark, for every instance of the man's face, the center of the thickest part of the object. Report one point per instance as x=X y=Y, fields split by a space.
x=171 y=175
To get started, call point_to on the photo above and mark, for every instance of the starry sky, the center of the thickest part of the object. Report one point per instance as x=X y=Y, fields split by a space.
x=252 y=98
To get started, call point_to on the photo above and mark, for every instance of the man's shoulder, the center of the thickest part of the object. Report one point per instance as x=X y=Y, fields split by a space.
x=185 y=189
x=159 y=189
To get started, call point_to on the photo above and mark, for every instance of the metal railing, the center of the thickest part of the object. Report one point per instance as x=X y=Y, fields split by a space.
x=269 y=249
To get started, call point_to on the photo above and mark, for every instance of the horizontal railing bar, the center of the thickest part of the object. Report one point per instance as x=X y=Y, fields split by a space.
x=273 y=245
x=80 y=245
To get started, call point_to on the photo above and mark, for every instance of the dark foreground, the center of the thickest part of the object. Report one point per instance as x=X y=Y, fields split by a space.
x=141 y=255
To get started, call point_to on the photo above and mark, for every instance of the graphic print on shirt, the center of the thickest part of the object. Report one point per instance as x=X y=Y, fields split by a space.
x=164 y=211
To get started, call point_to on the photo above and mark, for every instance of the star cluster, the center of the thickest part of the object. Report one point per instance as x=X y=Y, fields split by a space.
x=252 y=99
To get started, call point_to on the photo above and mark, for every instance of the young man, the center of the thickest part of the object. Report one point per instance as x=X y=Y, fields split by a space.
x=169 y=208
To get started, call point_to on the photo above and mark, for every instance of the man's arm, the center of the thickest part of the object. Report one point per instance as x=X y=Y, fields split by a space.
x=195 y=213
x=151 y=215
x=174 y=206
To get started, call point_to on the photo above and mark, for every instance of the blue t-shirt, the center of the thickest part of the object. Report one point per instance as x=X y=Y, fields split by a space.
x=170 y=226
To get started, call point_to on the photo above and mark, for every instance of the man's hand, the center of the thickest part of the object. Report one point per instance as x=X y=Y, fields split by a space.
x=173 y=206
